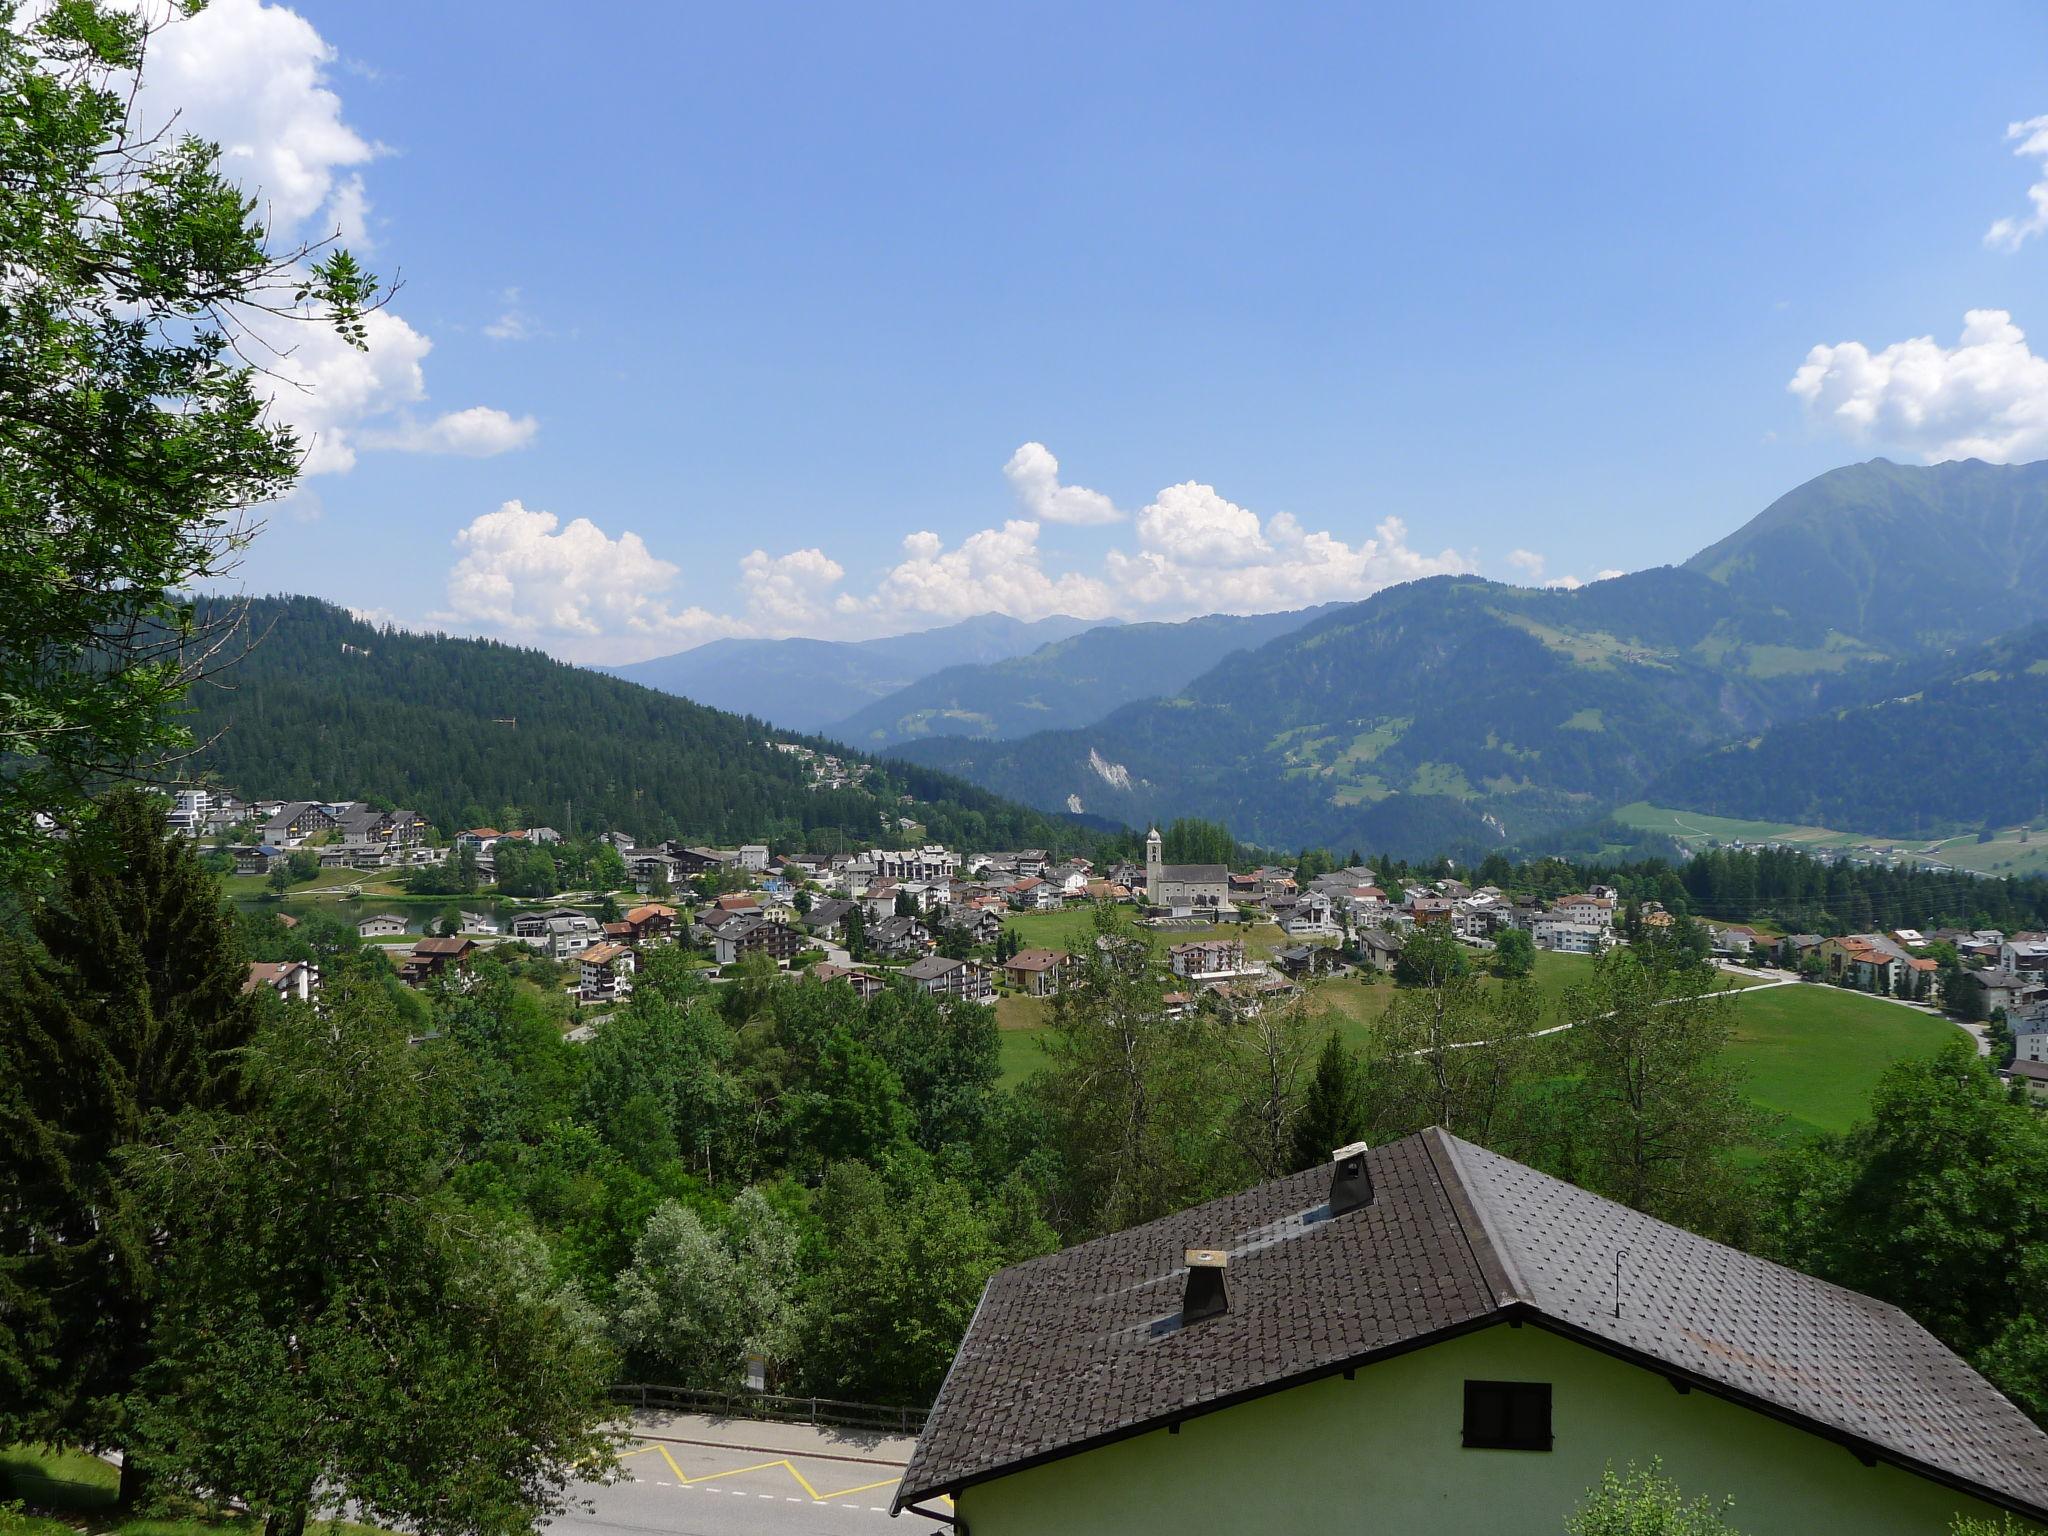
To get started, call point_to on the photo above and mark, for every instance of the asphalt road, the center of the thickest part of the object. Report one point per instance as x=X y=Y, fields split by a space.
x=776 y=1480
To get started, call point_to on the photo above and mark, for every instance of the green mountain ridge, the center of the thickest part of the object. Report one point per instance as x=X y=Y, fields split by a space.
x=1459 y=715
x=323 y=706
x=1964 y=747
x=1068 y=683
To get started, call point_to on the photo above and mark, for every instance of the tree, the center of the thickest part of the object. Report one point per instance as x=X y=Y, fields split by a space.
x=1644 y=1502
x=1514 y=953
x=126 y=1003
x=1131 y=1093
x=854 y=929
x=680 y=1309
x=279 y=878
x=1333 y=1115
x=1268 y=1059
x=1431 y=958
x=1654 y=1113
x=338 y=1332
x=1452 y=1054
x=132 y=437
x=1937 y=1203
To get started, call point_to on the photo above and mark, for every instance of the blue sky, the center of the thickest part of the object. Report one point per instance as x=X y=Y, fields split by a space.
x=746 y=297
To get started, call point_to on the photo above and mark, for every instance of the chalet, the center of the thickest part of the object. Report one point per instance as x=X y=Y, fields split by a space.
x=693 y=861
x=651 y=869
x=826 y=919
x=1208 y=959
x=650 y=923
x=865 y=983
x=1377 y=948
x=744 y=934
x=1436 y=1337
x=258 y=860
x=385 y=925
x=290 y=979
x=2034 y=1074
x=1596 y=910
x=561 y=931
x=963 y=980
x=1038 y=972
x=1306 y=962
x=1430 y=911
x=2024 y=955
x=606 y=973
x=984 y=925
x=1032 y=894
x=431 y=957
x=1855 y=959
x=479 y=924
x=898 y=938
x=478 y=839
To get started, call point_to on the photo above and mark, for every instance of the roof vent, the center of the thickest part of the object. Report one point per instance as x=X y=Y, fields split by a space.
x=1206 y=1295
x=1350 y=1180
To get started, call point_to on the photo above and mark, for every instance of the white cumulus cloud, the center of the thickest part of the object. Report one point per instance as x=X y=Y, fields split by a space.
x=1984 y=398
x=2030 y=142
x=789 y=592
x=254 y=78
x=1034 y=474
x=998 y=569
x=1528 y=562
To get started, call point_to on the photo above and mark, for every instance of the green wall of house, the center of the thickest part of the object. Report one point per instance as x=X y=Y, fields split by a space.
x=1381 y=1453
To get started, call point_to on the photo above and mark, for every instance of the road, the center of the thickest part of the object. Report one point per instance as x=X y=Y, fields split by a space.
x=691 y=1475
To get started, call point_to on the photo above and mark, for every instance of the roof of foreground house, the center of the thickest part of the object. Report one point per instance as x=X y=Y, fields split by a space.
x=1085 y=1346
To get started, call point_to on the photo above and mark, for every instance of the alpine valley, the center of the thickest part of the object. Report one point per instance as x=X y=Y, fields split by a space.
x=1459 y=714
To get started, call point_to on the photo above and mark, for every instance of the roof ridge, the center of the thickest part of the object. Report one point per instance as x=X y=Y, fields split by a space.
x=1488 y=1250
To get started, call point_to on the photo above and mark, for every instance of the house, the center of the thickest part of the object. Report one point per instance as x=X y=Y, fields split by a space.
x=1597 y=910
x=1031 y=894
x=606 y=973
x=1184 y=890
x=479 y=923
x=1304 y=962
x=1208 y=959
x=385 y=925
x=897 y=938
x=478 y=839
x=744 y=934
x=826 y=919
x=651 y=869
x=1736 y=939
x=561 y=931
x=650 y=923
x=287 y=978
x=431 y=957
x=964 y=980
x=1428 y=1337
x=1313 y=916
x=1038 y=972
x=753 y=857
x=691 y=861
x=2033 y=1073
x=1795 y=947
x=984 y=925
x=1377 y=948
x=2024 y=955
x=1431 y=911
x=1568 y=936
x=259 y=860
x=1855 y=959
x=865 y=983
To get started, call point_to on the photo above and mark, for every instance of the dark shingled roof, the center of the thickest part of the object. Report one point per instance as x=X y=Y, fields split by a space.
x=1084 y=1346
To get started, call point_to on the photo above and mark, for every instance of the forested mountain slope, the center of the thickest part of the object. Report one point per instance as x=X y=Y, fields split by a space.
x=325 y=707
x=1965 y=747
x=1903 y=557
x=1447 y=714
x=806 y=685
x=1071 y=682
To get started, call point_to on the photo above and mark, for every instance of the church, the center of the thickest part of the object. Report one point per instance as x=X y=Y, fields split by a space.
x=1184 y=890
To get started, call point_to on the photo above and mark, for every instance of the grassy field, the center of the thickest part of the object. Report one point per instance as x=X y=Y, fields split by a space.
x=2013 y=851
x=65 y=1492
x=1812 y=1054
x=1074 y=928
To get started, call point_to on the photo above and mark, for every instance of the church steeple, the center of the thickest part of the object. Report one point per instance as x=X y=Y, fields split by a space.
x=1155 y=864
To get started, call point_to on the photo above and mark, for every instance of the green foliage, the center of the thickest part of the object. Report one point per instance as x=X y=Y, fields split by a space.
x=1939 y=1204
x=335 y=1332
x=449 y=726
x=125 y=1003
x=1431 y=958
x=132 y=436
x=1644 y=1502
x=696 y=1302
x=1514 y=953
x=1333 y=1114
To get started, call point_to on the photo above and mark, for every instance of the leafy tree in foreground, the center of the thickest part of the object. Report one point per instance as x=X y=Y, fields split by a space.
x=1937 y=1203
x=128 y=1004
x=132 y=438
x=336 y=1331
x=1431 y=958
x=1514 y=953
x=1333 y=1115
x=1644 y=1502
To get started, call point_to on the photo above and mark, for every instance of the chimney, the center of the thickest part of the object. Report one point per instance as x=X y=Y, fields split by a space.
x=1206 y=1295
x=1350 y=1181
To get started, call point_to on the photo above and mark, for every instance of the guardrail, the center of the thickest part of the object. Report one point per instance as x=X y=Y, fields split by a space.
x=766 y=1405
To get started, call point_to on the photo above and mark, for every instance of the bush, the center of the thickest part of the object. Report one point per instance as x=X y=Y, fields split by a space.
x=1644 y=1502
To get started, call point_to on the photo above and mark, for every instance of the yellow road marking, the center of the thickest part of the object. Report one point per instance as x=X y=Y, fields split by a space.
x=687 y=1481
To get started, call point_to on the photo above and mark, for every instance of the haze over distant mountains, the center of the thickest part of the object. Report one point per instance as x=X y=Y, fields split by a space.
x=1457 y=713
x=806 y=685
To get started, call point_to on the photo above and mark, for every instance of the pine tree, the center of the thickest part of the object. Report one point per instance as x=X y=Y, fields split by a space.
x=127 y=1004
x=1334 y=1114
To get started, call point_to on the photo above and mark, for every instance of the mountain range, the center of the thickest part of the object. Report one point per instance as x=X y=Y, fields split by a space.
x=1460 y=714
x=807 y=685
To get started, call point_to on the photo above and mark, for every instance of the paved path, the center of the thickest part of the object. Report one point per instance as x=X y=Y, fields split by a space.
x=696 y=1475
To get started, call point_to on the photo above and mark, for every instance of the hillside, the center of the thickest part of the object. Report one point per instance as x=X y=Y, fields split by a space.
x=1966 y=746
x=1452 y=713
x=1071 y=682
x=326 y=707
x=806 y=685
x=1902 y=557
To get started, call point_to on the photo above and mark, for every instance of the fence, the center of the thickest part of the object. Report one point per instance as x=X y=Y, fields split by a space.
x=766 y=1405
